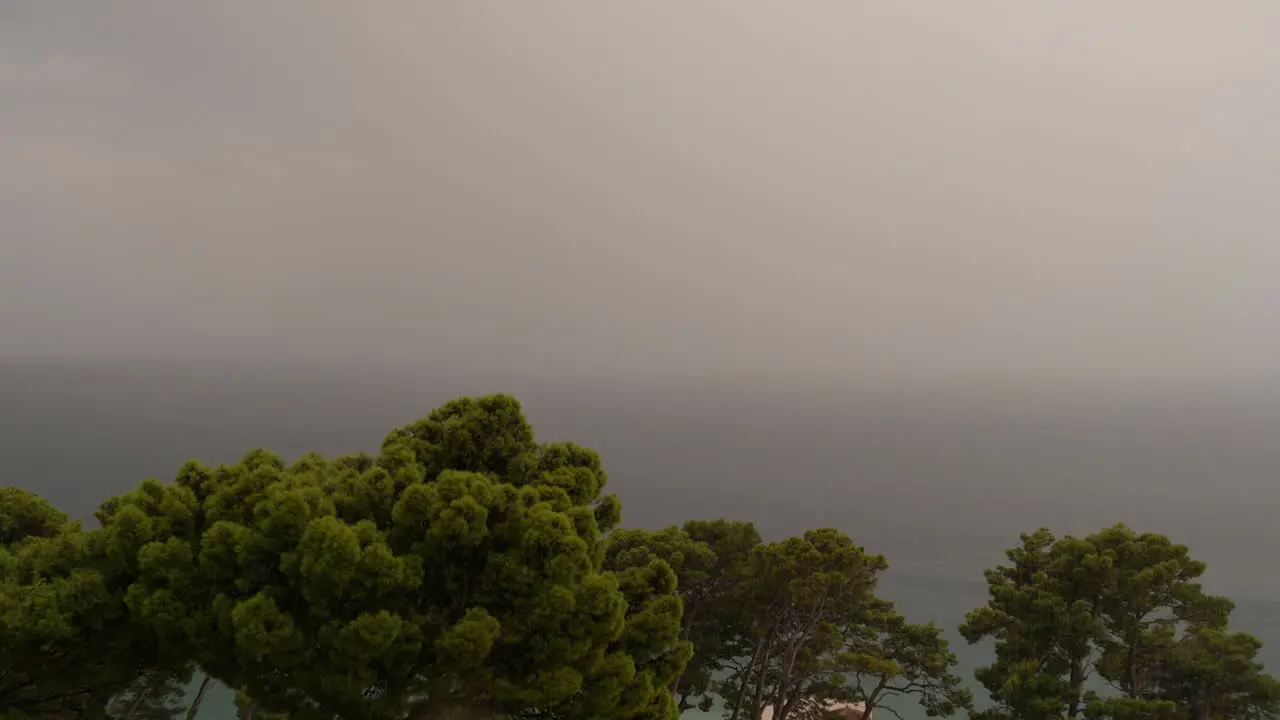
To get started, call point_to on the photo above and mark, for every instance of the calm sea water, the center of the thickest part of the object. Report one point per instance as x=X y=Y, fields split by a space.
x=939 y=481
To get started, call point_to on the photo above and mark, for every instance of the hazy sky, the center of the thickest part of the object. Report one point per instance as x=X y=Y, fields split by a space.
x=824 y=189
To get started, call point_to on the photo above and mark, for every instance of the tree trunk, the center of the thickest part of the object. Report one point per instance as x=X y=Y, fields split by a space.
x=781 y=706
x=873 y=698
x=1202 y=713
x=684 y=635
x=764 y=670
x=746 y=680
x=1077 y=689
x=195 y=704
x=786 y=705
x=137 y=700
x=1133 y=670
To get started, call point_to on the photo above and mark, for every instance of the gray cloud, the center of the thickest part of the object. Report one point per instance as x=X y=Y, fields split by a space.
x=825 y=189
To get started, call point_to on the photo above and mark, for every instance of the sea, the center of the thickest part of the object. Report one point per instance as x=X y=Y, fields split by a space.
x=939 y=477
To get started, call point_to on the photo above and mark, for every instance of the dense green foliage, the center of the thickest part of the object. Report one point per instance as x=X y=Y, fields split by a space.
x=68 y=643
x=460 y=568
x=1121 y=607
x=27 y=515
x=467 y=571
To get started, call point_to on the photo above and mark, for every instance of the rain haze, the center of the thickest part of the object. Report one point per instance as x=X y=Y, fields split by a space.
x=933 y=275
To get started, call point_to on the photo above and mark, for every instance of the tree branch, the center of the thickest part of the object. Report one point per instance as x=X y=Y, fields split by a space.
x=891 y=711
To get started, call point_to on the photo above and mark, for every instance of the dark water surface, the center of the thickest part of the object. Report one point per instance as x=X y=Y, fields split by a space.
x=939 y=481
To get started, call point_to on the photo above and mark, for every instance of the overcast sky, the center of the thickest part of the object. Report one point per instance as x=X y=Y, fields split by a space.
x=820 y=189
